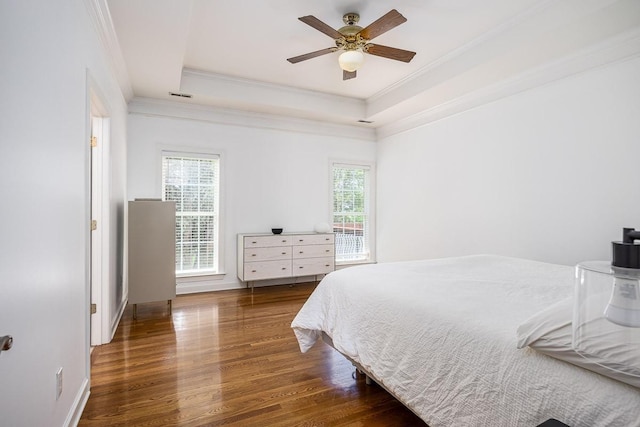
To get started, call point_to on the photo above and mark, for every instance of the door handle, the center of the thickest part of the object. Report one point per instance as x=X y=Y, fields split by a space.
x=5 y=343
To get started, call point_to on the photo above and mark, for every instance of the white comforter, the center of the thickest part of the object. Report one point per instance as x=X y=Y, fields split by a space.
x=441 y=336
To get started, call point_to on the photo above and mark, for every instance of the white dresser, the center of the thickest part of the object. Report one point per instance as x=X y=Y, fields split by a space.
x=273 y=256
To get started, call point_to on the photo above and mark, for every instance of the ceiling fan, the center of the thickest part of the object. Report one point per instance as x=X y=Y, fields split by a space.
x=354 y=40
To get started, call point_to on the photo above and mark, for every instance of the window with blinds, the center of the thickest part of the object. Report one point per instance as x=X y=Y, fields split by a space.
x=351 y=217
x=193 y=182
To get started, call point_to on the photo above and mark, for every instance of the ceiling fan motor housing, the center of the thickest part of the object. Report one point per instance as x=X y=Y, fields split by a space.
x=351 y=39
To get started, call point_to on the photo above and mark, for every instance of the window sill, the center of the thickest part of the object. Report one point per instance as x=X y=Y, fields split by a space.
x=342 y=264
x=186 y=277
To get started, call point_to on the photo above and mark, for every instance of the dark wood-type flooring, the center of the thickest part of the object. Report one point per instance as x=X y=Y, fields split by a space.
x=229 y=358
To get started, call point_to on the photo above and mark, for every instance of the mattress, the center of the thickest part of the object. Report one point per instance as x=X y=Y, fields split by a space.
x=441 y=336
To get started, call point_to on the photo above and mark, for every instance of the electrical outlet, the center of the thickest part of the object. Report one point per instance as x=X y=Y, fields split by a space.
x=58 y=383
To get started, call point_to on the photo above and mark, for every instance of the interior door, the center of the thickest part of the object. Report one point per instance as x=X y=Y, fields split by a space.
x=97 y=232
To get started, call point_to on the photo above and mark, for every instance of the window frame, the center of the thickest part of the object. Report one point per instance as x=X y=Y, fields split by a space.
x=219 y=244
x=370 y=204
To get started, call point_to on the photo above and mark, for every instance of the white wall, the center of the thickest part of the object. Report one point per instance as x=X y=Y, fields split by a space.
x=47 y=49
x=269 y=177
x=548 y=174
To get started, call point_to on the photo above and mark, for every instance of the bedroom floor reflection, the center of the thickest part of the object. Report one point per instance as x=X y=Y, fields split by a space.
x=229 y=358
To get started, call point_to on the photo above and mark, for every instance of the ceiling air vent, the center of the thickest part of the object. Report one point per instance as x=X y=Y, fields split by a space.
x=181 y=95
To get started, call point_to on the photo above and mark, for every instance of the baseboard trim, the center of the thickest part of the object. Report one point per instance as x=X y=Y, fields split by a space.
x=210 y=286
x=206 y=286
x=116 y=320
x=79 y=403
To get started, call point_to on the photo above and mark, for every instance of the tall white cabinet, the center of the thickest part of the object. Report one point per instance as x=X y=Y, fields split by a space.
x=274 y=256
x=151 y=252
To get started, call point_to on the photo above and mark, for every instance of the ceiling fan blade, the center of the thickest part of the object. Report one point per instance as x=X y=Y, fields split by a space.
x=389 y=52
x=347 y=75
x=320 y=26
x=383 y=24
x=310 y=55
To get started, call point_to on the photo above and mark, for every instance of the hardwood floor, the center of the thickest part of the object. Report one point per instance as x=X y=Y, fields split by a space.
x=229 y=358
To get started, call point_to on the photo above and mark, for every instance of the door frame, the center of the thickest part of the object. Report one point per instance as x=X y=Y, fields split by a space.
x=99 y=324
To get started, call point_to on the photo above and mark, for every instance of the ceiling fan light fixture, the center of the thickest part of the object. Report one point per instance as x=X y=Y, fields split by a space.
x=353 y=41
x=351 y=60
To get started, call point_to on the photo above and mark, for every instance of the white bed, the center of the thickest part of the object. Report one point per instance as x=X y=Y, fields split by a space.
x=440 y=335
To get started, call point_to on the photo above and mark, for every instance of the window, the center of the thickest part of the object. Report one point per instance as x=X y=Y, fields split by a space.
x=352 y=220
x=193 y=182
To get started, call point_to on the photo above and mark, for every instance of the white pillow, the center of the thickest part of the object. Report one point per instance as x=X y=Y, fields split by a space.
x=546 y=321
x=549 y=332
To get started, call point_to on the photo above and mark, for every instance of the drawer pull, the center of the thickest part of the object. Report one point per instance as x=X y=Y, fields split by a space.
x=253 y=254
x=284 y=241
x=327 y=265
x=301 y=252
x=284 y=253
x=284 y=268
x=301 y=267
x=253 y=271
x=254 y=242
x=301 y=240
x=327 y=250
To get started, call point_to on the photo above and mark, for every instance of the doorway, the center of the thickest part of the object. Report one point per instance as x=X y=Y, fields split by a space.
x=99 y=330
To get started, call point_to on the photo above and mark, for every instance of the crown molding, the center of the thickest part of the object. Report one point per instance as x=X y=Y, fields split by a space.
x=449 y=56
x=507 y=52
x=179 y=110
x=235 y=89
x=101 y=19
x=258 y=85
x=620 y=48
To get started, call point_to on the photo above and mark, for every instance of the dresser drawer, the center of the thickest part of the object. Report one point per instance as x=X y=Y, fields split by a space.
x=267 y=254
x=309 y=266
x=313 y=251
x=313 y=239
x=267 y=270
x=266 y=241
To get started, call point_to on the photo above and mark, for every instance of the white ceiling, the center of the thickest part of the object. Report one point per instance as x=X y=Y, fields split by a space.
x=229 y=55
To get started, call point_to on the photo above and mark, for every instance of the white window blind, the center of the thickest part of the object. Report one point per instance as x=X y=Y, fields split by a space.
x=193 y=182
x=351 y=212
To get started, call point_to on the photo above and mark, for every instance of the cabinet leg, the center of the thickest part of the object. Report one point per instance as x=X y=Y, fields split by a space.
x=169 y=302
x=135 y=311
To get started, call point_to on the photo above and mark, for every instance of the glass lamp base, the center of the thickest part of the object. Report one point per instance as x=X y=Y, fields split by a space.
x=606 y=316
